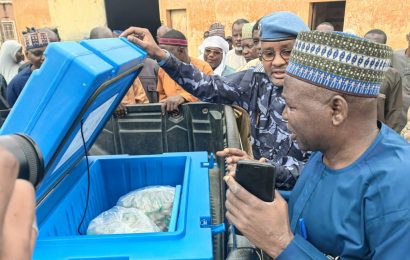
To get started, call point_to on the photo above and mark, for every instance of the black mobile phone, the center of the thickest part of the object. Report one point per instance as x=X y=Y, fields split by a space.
x=257 y=178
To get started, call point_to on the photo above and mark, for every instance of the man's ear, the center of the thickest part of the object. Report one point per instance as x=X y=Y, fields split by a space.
x=340 y=109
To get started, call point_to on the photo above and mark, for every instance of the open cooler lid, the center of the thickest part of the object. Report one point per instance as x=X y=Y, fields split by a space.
x=66 y=103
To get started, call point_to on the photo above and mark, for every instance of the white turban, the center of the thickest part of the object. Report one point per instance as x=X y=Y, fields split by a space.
x=8 y=62
x=216 y=42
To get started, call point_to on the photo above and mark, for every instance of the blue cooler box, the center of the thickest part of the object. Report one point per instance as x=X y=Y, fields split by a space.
x=63 y=107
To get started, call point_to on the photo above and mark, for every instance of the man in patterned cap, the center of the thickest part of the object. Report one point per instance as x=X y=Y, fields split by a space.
x=35 y=43
x=352 y=199
x=257 y=43
x=249 y=49
x=217 y=29
x=257 y=90
x=52 y=35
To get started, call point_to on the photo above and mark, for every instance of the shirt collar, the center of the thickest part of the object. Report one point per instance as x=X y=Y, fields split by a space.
x=259 y=68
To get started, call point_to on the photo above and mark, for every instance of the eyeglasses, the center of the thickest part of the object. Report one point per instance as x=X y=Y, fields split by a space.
x=37 y=53
x=269 y=55
x=214 y=52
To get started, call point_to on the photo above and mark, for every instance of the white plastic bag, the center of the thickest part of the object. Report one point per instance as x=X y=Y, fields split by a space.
x=120 y=220
x=155 y=201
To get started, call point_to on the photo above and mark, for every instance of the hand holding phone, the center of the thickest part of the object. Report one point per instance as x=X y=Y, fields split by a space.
x=257 y=178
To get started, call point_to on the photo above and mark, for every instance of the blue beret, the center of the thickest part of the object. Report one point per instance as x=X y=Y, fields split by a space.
x=279 y=26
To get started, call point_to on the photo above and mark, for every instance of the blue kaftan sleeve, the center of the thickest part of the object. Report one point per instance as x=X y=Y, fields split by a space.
x=301 y=249
x=389 y=235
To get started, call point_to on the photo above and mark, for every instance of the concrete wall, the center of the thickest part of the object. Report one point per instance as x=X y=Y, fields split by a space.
x=200 y=14
x=75 y=18
x=30 y=13
x=392 y=16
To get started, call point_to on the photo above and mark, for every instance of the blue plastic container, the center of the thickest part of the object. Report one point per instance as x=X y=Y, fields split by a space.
x=63 y=108
x=59 y=215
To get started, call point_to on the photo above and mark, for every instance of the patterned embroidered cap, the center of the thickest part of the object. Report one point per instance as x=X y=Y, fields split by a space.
x=35 y=40
x=217 y=29
x=247 y=31
x=341 y=62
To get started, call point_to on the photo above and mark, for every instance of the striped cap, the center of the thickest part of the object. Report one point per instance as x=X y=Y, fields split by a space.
x=217 y=29
x=341 y=62
x=35 y=40
x=247 y=31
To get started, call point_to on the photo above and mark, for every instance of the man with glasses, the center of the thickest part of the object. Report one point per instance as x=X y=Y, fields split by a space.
x=257 y=90
x=215 y=49
x=36 y=43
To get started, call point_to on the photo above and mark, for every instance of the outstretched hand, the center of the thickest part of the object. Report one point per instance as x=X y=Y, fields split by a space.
x=143 y=38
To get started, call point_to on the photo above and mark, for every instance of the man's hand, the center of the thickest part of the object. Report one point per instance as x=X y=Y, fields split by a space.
x=143 y=38
x=234 y=155
x=17 y=211
x=265 y=224
x=172 y=103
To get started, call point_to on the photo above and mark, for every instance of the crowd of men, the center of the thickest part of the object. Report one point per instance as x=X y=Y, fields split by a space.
x=325 y=109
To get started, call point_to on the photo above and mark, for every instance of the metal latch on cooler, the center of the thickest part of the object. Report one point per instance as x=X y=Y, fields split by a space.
x=206 y=222
x=210 y=164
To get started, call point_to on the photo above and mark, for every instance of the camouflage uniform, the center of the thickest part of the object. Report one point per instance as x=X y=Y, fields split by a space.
x=252 y=90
